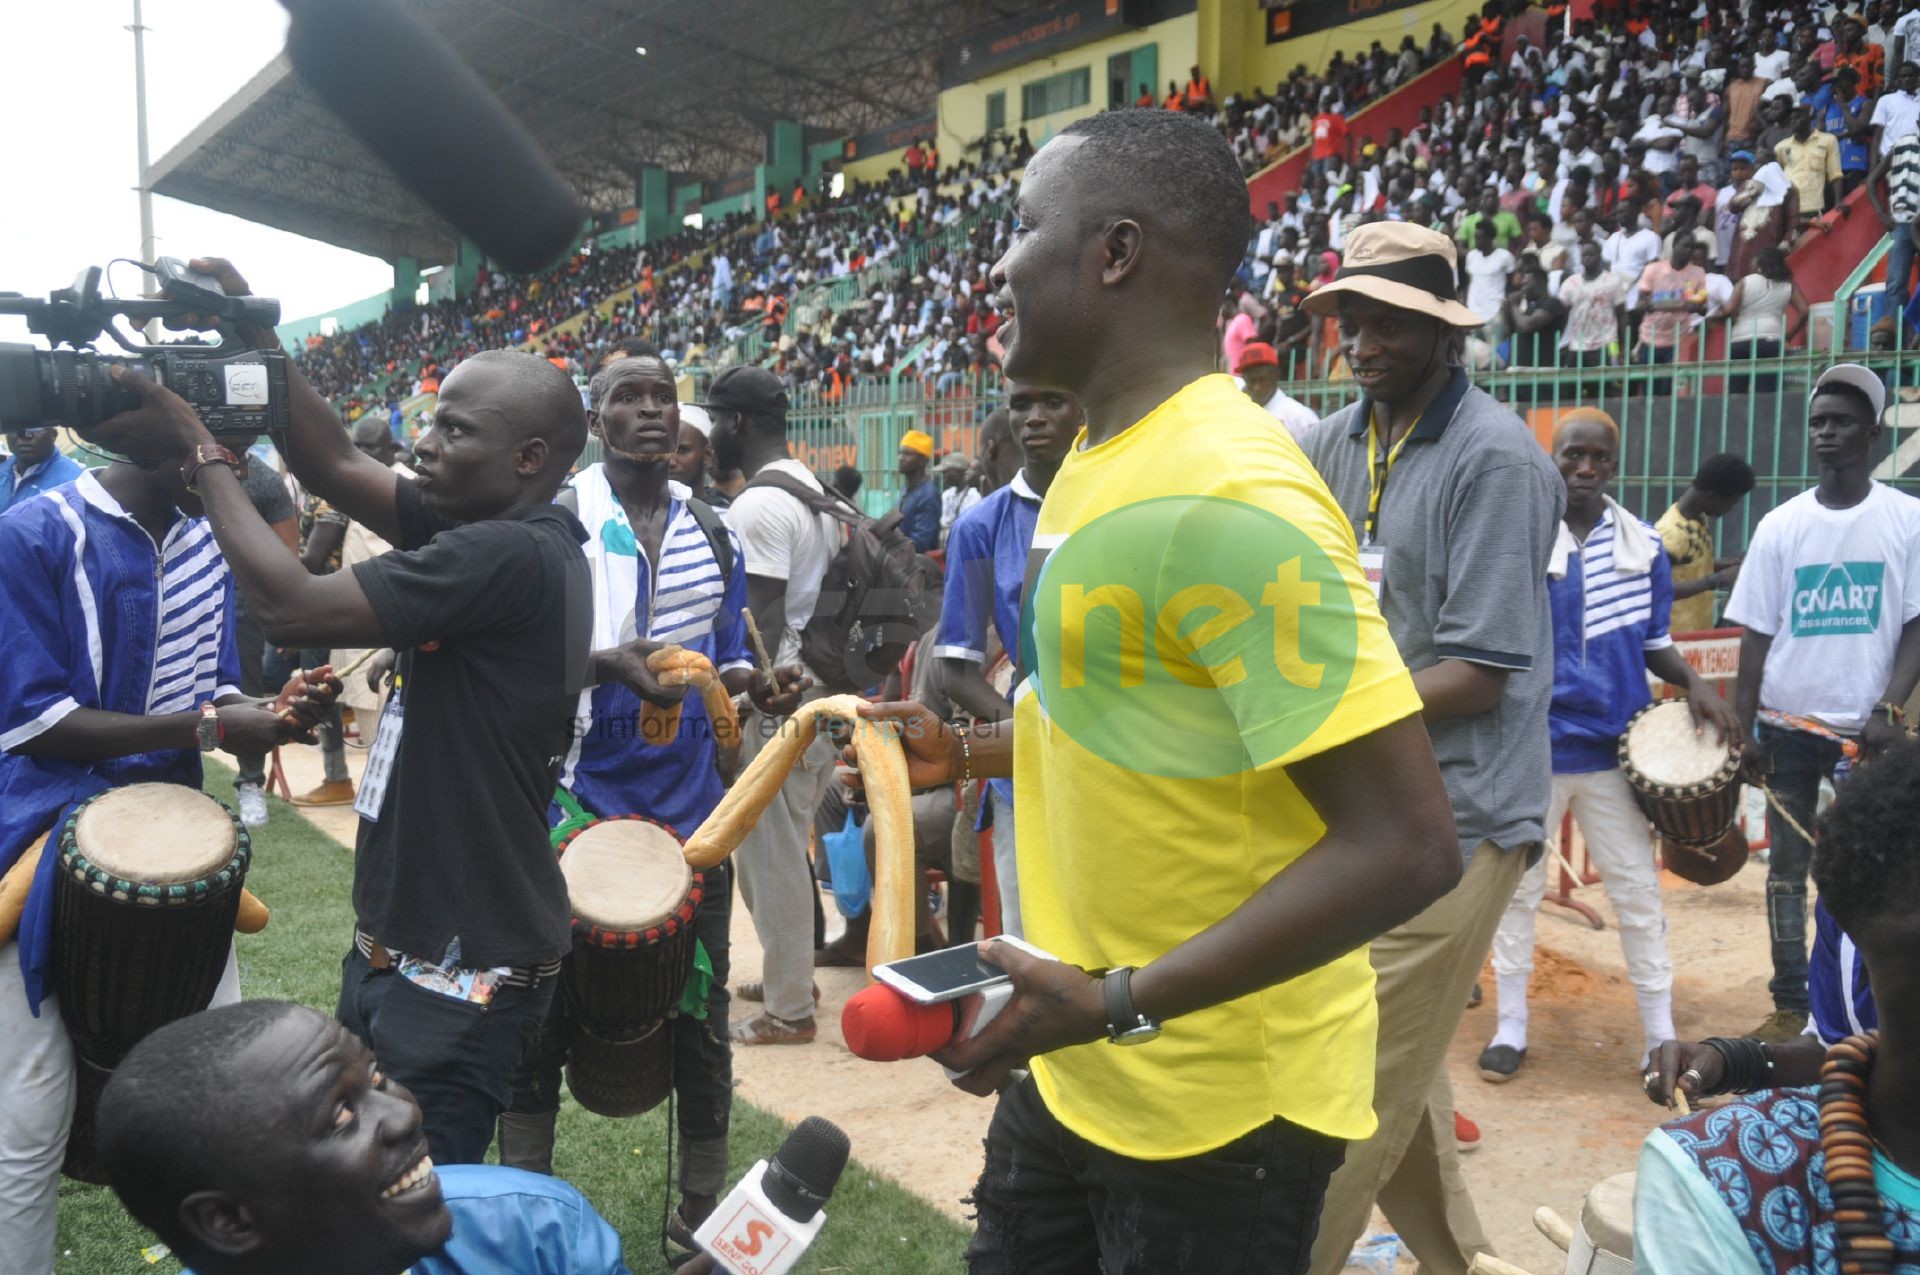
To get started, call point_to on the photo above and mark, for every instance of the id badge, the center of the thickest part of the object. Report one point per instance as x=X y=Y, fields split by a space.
x=1373 y=565
x=380 y=759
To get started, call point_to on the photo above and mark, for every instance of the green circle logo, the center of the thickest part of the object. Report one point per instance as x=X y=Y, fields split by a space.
x=1189 y=637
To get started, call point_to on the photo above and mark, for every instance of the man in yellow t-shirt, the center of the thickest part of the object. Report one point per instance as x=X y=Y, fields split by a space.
x=1686 y=530
x=1221 y=780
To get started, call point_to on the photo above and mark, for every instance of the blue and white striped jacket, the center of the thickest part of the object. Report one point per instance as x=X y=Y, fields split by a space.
x=94 y=614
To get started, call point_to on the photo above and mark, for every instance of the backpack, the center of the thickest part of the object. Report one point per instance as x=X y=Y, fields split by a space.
x=878 y=595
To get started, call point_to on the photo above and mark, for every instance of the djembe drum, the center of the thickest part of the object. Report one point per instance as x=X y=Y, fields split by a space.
x=148 y=887
x=634 y=901
x=1688 y=784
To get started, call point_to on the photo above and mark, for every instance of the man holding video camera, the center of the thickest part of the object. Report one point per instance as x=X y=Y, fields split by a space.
x=462 y=914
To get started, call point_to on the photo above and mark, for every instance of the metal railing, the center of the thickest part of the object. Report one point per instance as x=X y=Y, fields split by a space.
x=1674 y=415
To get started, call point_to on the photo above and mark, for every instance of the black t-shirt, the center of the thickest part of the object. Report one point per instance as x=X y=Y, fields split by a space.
x=1541 y=348
x=492 y=620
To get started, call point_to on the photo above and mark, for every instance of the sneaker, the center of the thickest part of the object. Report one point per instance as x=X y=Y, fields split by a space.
x=1500 y=1063
x=1781 y=1027
x=332 y=792
x=768 y=1030
x=253 y=804
x=1466 y=1133
x=685 y=1219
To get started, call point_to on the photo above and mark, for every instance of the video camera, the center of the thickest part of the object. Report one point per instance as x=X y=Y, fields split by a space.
x=238 y=391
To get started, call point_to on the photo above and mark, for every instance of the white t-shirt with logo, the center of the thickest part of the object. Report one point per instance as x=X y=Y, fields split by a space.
x=1834 y=587
x=784 y=540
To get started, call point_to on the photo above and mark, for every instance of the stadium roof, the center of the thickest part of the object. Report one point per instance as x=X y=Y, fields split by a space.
x=715 y=75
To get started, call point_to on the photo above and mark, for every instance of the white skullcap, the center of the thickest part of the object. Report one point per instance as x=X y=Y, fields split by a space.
x=696 y=416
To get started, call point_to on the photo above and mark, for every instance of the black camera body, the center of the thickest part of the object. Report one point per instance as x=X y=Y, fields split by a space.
x=238 y=391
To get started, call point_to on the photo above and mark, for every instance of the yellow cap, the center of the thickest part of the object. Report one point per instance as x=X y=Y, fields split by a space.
x=914 y=440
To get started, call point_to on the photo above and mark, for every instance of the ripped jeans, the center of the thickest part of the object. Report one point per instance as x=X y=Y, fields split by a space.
x=1051 y=1203
x=1796 y=762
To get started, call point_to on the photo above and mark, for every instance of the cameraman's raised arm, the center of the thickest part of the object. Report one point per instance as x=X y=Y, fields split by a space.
x=320 y=452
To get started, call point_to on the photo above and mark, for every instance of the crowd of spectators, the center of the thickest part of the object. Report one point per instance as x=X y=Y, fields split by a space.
x=1617 y=186
x=704 y=287
x=1614 y=185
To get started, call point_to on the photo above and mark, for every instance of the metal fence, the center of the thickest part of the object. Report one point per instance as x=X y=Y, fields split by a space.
x=1672 y=417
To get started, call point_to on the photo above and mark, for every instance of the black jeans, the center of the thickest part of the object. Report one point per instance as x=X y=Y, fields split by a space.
x=1051 y=1203
x=702 y=1058
x=457 y=1057
x=1796 y=763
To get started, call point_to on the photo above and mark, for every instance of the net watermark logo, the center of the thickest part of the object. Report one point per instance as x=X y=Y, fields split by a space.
x=1189 y=637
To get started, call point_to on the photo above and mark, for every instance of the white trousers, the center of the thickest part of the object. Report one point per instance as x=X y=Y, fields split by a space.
x=1621 y=847
x=37 y=1088
x=776 y=878
x=1006 y=871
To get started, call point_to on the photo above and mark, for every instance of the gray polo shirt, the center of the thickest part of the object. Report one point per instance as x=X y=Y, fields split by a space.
x=1467 y=520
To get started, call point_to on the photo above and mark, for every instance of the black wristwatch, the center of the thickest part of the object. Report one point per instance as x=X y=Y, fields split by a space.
x=1125 y=1024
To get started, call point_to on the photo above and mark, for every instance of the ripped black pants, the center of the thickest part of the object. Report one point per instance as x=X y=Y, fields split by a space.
x=1052 y=1203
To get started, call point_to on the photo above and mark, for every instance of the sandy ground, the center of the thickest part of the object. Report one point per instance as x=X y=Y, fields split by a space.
x=1573 y=1116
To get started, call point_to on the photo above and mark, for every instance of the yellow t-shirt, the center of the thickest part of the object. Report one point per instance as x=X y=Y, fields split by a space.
x=1199 y=623
x=1689 y=543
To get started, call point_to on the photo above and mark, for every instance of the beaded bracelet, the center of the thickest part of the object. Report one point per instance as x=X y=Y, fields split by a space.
x=966 y=758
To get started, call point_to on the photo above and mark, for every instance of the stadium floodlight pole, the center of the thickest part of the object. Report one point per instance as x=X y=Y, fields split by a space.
x=140 y=127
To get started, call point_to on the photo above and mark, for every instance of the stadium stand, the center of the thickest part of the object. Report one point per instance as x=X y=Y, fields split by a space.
x=1553 y=132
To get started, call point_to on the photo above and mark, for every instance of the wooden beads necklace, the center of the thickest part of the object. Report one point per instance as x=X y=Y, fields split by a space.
x=1861 y=1243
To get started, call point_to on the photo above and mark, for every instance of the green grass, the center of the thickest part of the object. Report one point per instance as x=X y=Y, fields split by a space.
x=875 y=1226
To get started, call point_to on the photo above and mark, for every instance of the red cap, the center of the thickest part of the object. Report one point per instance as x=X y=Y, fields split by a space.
x=1256 y=354
x=881 y=1025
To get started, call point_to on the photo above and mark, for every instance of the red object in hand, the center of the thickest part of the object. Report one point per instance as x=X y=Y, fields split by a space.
x=881 y=1025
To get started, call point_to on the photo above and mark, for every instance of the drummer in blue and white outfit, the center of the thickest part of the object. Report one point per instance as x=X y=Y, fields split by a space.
x=1611 y=588
x=667 y=570
x=118 y=628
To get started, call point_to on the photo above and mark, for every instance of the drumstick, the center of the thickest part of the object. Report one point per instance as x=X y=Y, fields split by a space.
x=759 y=648
x=354 y=666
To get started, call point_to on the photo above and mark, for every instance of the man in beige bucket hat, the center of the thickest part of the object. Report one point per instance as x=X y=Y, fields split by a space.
x=1455 y=507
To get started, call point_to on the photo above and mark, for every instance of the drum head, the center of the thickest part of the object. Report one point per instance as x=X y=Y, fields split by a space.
x=1607 y=1215
x=1661 y=747
x=155 y=834
x=1709 y=864
x=625 y=874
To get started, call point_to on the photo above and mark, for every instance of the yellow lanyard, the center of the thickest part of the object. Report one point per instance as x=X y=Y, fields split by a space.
x=1379 y=471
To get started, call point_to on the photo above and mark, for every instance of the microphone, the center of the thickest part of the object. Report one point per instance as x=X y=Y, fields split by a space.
x=881 y=1025
x=403 y=92
x=773 y=1215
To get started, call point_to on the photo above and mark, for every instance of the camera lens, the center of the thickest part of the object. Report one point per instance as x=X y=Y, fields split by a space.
x=66 y=387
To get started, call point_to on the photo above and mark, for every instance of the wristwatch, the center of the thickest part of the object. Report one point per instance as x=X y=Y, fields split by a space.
x=207 y=454
x=1125 y=1024
x=208 y=731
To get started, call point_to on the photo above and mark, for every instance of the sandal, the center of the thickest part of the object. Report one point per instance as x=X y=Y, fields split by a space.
x=756 y=991
x=768 y=1030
